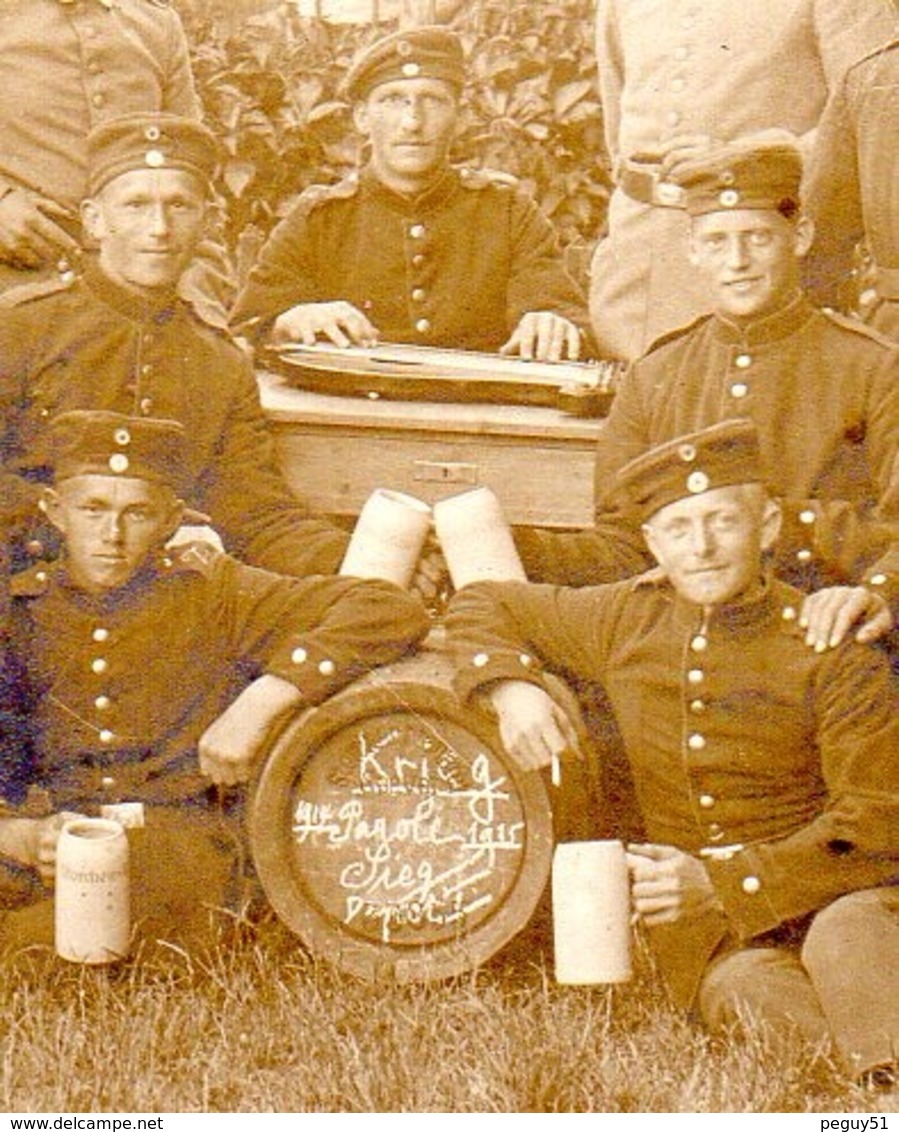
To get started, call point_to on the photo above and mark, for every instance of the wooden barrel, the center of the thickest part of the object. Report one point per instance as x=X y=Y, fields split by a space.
x=391 y=832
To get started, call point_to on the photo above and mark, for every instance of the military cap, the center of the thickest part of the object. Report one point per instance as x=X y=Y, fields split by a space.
x=94 y=442
x=149 y=141
x=760 y=171
x=429 y=52
x=698 y=462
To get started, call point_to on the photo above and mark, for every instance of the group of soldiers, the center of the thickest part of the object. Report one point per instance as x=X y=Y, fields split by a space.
x=168 y=601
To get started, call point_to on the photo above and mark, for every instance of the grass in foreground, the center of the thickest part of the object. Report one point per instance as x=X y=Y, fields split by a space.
x=263 y=1027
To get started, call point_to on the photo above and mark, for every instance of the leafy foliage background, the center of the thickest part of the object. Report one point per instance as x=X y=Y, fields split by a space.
x=270 y=84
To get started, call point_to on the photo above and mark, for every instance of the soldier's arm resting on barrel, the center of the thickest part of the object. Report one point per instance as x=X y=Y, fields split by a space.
x=533 y=727
x=230 y=747
x=308 y=638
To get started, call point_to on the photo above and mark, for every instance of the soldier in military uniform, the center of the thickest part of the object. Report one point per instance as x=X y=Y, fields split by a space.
x=766 y=772
x=66 y=68
x=853 y=185
x=130 y=656
x=118 y=337
x=411 y=249
x=822 y=389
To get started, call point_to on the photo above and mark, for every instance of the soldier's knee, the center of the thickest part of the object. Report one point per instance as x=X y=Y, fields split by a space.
x=852 y=925
x=730 y=988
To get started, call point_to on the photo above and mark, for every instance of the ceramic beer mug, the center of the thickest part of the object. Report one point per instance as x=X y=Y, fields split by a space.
x=92 y=913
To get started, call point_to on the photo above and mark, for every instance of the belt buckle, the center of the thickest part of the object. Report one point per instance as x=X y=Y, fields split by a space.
x=666 y=194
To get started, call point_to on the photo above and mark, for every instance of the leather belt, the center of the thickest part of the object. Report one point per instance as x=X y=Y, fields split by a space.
x=886 y=280
x=644 y=184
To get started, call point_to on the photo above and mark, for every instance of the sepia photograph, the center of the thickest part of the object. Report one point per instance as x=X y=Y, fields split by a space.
x=449 y=561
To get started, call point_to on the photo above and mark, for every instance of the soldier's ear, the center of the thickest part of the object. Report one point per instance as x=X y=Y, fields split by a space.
x=49 y=503
x=91 y=219
x=772 y=518
x=175 y=517
x=360 y=117
x=649 y=540
x=805 y=235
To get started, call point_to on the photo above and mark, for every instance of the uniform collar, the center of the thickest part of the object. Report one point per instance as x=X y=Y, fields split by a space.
x=132 y=305
x=773 y=327
x=431 y=198
x=768 y=598
x=47 y=577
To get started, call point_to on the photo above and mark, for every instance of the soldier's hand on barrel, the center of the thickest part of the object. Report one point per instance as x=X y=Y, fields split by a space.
x=232 y=744
x=29 y=234
x=667 y=883
x=339 y=322
x=544 y=336
x=532 y=726
x=829 y=615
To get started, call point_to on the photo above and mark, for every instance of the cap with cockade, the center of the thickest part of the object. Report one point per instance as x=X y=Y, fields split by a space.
x=698 y=462
x=430 y=52
x=150 y=141
x=756 y=172
x=90 y=442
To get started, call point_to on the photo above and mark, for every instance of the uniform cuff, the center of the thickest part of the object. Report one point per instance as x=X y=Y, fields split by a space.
x=476 y=669
x=314 y=671
x=744 y=891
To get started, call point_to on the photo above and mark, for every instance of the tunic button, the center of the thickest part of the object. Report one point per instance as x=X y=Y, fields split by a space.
x=877 y=579
x=102 y=703
x=423 y=325
x=716 y=833
x=739 y=390
x=525 y=660
x=100 y=635
x=751 y=885
x=298 y=656
x=419 y=294
x=479 y=660
x=699 y=643
x=146 y=405
x=327 y=667
x=743 y=361
x=34 y=547
x=696 y=742
x=807 y=517
x=804 y=555
x=418 y=259
x=41 y=576
x=106 y=736
x=697 y=707
x=99 y=665
x=417 y=231
x=706 y=801
x=98 y=99
x=695 y=676
x=789 y=613
x=107 y=782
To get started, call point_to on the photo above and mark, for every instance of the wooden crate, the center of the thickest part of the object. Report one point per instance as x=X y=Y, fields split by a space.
x=336 y=450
